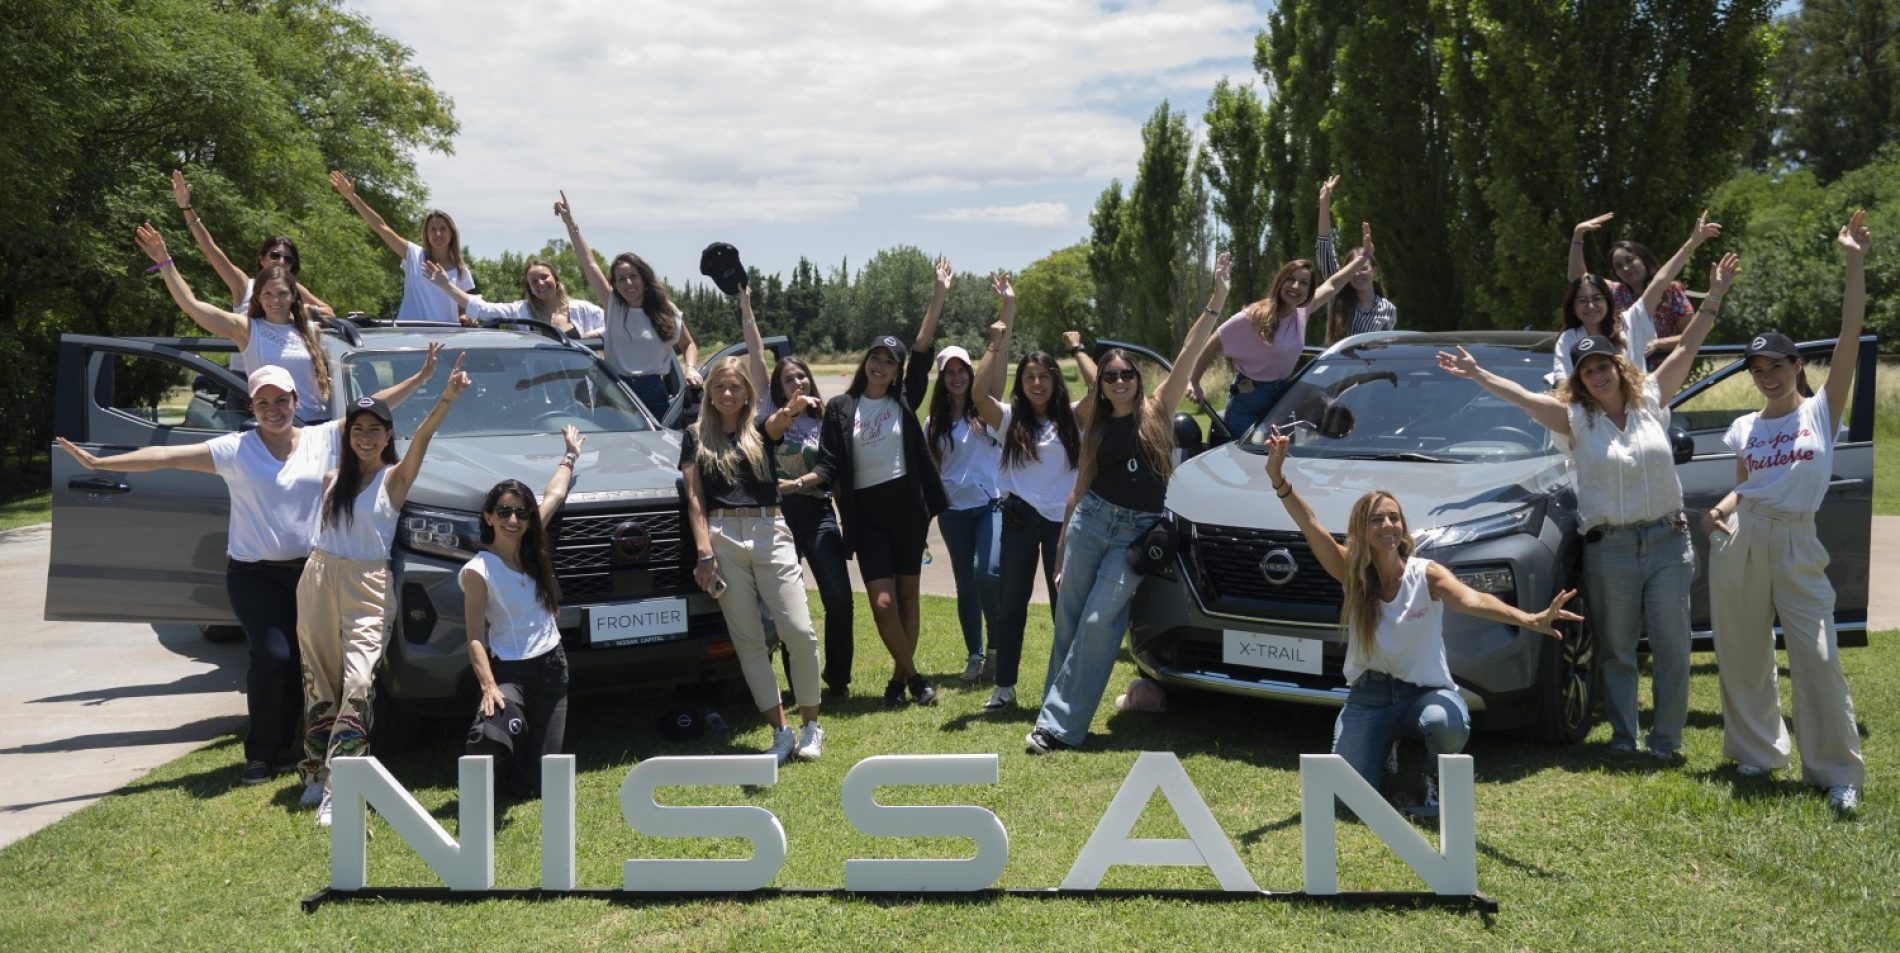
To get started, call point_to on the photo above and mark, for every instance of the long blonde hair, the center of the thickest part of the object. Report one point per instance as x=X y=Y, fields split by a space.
x=1363 y=603
x=1264 y=314
x=746 y=447
x=1154 y=429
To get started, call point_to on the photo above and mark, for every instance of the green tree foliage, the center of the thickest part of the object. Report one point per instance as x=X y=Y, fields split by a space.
x=1162 y=219
x=1233 y=161
x=1052 y=296
x=1834 y=82
x=1111 y=257
x=255 y=101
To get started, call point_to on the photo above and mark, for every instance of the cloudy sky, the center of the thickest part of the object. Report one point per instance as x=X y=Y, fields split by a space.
x=978 y=129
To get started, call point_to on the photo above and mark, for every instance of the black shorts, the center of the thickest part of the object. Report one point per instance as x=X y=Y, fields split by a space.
x=893 y=528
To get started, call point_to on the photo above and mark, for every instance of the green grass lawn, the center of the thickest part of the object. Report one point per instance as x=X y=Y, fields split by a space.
x=26 y=510
x=1580 y=848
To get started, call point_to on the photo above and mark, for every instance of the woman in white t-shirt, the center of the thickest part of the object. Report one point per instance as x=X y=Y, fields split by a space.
x=1589 y=306
x=274 y=474
x=1765 y=563
x=644 y=328
x=442 y=244
x=544 y=299
x=1393 y=614
x=276 y=250
x=510 y=607
x=343 y=596
x=1637 y=559
x=1035 y=473
x=276 y=331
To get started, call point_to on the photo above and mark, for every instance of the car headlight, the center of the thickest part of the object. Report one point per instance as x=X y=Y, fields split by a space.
x=1525 y=519
x=450 y=533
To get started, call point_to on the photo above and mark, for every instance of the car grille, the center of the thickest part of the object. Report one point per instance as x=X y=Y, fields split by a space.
x=591 y=570
x=1225 y=562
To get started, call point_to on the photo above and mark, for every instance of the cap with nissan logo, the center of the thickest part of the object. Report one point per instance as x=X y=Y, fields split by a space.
x=1771 y=344
x=372 y=405
x=1593 y=344
x=895 y=346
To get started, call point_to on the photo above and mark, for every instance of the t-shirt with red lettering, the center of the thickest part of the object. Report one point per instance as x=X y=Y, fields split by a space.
x=1789 y=458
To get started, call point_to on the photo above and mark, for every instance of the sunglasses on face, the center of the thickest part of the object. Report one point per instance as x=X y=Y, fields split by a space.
x=1117 y=377
x=505 y=513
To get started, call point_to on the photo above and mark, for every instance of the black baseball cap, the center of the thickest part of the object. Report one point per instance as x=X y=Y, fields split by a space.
x=1771 y=344
x=889 y=342
x=372 y=405
x=720 y=262
x=495 y=735
x=681 y=724
x=1593 y=344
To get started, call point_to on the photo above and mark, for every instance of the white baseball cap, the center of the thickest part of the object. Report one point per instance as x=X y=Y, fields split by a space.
x=270 y=375
x=953 y=351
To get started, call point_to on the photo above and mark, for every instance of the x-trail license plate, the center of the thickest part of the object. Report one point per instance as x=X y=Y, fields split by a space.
x=1284 y=652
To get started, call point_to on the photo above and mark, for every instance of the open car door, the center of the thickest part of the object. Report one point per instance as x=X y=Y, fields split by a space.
x=683 y=410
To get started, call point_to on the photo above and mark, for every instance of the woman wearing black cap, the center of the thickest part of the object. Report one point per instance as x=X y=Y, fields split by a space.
x=274 y=474
x=1637 y=561
x=872 y=453
x=1765 y=562
x=510 y=600
x=343 y=596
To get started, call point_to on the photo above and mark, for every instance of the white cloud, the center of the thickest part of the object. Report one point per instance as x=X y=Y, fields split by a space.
x=831 y=128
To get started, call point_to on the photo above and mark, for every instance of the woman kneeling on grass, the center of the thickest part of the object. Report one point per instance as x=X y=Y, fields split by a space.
x=746 y=553
x=343 y=596
x=1394 y=614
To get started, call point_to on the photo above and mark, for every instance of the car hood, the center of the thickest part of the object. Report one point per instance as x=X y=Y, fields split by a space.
x=1228 y=486
x=614 y=467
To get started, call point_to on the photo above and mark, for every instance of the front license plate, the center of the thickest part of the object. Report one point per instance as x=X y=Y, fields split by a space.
x=649 y=620
x=1284 y=652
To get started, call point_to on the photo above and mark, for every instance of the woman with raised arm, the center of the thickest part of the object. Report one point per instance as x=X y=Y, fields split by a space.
x=543 y=299
x=274 y=331
x=1633 y=264
x=1393 y=614
x=276 y=250
x=1035 y=476
x=1361 y=307
x=1637 y=560
x=421 y=300
x=510 y=605
x=1765 y=563
x=274 y=474
x=873 y=455
x=343 y=597
x=746 y=553
x=1590 y=305
x=1121 y=482
x=806 y=506
x=644 y=328
x=1264 y=339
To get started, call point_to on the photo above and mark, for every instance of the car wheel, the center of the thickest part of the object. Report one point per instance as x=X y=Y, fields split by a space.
x=222 y=633
x=1568 y=681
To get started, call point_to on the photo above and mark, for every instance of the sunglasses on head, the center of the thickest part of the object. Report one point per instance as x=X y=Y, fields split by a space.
x=512 y=512
x=1116 y=377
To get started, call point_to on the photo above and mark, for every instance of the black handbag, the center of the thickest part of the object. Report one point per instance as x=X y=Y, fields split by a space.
x=1154 y=548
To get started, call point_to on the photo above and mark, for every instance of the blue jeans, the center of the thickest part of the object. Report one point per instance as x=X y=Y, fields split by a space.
x=1091 y=613
x=1016 y=559
x=1245 y=410
x=1380 y=708
x=1636 y=579
x=651 y=390
x=970 y=537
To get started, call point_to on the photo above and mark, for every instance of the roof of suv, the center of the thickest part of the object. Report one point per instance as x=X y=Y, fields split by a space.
x=1426 y=343
x=416 y=336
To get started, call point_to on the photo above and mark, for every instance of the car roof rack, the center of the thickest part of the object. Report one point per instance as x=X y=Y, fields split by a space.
x=536 y=325
x=345 y=327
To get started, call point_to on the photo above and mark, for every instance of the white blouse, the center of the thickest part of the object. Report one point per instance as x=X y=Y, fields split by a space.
x=1626 y=475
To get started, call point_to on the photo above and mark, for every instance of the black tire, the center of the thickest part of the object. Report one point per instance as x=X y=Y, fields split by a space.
x=1569 y=682
x=221 y=633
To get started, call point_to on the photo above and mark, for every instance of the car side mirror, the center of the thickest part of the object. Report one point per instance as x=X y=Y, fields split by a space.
x=1187 y=436
x=1681 y=445
x=1335 y=422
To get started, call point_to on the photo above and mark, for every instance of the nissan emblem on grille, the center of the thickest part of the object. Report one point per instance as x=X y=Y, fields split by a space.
x=1278 y=567
x=632 y=541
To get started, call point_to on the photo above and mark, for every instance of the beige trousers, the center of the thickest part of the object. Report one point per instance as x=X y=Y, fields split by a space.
x=759 y=562
x=342 y=620
x=1773 y=565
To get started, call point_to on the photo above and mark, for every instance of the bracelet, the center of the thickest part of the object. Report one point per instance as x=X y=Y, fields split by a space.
x=1284 y=495
x=1575 y=242
x=158 y=267
x=184 y=208
x=1079 y=348
x=569 y=464
x=709 y=557
x=1210 y=309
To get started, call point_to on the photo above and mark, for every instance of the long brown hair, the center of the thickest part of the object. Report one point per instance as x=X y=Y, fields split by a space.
x=941 y=419
x=1154 y=429
x=340 y=508
x=1019 y=443
x=1265 y=313
x=1346 y=304
x=454 y=258
x=1363 y=603
x=777 y=390
x=1612 y=323
x=299 y=319
x=1629 y=379
x=537 y=551
x=653 y=298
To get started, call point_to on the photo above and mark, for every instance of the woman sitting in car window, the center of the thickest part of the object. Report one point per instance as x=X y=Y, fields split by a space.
x=275 y=477
x=1637 y=559
x=543 y=299
x=276 y=250
x=644 y=328
x=1590 y=306
x=1393 y=614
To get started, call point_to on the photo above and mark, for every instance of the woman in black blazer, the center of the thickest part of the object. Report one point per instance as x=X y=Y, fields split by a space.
x=872 y=451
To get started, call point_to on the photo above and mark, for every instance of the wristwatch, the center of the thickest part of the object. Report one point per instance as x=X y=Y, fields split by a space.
x=1079 y=348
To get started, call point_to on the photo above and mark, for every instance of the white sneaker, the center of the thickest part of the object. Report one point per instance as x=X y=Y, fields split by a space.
x=312 y=795
x=1003 y=697
x=1844 y=798
x=323 y=810
x=811 y=741
x=1753 y=770
x=783 y=741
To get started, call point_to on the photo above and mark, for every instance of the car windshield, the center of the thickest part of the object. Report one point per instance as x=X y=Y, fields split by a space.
x=1404 y=408
x=511 y=391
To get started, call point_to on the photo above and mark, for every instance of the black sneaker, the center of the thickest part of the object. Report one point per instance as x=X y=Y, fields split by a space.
x=837 y=691
x=894 y=693
x=1042 y=741
x=922 y=691
x=256 y=772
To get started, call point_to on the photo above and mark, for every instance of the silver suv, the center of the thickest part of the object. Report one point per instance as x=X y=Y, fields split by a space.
x=1245 y=608
x=150 y=547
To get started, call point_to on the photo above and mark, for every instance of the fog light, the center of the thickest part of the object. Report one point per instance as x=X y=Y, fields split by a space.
x=1497 y=581
x=418 y=614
